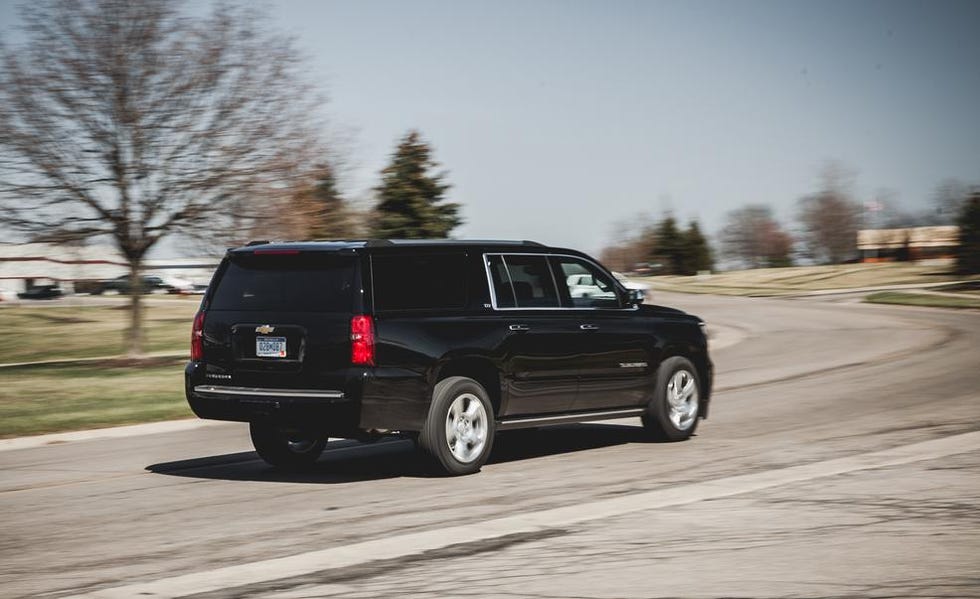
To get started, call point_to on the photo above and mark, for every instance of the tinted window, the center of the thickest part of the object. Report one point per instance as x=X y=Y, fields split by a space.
x=523 y=281
x=286 y=283
x=435 y=281
x=585 y=285
x=503 y=290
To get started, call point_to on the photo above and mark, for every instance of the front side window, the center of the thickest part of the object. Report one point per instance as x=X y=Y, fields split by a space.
x=522 y=281
x=583 y=285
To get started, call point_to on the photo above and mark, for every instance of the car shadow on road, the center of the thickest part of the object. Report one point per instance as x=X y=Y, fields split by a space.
x=347 y=461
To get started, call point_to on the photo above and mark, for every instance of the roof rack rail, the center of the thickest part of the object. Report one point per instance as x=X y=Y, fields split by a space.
x=393 y=242
x=257 y=242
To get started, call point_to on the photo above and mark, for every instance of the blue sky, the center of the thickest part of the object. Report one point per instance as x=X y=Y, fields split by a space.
x=557 y=119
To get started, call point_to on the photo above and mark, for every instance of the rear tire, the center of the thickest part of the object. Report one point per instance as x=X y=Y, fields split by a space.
x=672 y=414
x=285 y=448
x=459 y=429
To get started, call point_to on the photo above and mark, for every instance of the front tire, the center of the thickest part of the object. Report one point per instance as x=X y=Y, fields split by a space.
x=672 y=414
x=460 y=427
x=285 y=448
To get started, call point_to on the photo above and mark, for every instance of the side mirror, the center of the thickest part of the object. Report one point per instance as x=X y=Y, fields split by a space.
x=635 y=297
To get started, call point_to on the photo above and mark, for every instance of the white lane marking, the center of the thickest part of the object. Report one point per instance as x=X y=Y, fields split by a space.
x=115 y=432
x=721 y=336
x=404 y=545
x=317 y=591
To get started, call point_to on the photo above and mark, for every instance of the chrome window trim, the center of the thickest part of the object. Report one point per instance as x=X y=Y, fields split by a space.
x=510 y=281
x=493 y=291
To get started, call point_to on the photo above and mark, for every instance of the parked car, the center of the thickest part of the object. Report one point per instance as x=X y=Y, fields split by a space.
x=42 y=292
x=178 y=285
x=446 y=342
x=149 y=284
x=642 y=288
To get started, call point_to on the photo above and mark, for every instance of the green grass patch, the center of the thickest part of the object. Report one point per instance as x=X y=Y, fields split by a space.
x=46 y=399
x=924 y=299
x=43 y=332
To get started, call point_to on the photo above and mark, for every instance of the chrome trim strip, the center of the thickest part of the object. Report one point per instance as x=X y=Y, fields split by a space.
x=574 y=417
x=261 y=392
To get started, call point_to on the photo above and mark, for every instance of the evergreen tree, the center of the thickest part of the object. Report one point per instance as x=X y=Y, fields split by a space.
x=968 y=252
x=680 y=252
x=669 y=248
x=410 y=197
x=329 y=214
x=697 y=252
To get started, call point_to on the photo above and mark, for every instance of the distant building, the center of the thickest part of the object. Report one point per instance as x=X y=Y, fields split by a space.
x=911 y=243
x=24 y=265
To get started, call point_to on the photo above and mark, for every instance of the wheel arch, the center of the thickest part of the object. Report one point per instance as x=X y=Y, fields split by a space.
x=478 y=368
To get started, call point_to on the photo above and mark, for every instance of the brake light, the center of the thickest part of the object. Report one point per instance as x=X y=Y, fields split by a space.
x=197 y=337
x=362 y=340
x=275 y=252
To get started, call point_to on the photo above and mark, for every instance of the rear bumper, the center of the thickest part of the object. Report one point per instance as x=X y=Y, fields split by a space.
x=382 y=398
x=328 y=409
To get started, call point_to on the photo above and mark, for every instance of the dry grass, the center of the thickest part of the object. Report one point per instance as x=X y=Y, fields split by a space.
x=46 y=332
x=44 y=399
x=966 y=300
x=793 y=280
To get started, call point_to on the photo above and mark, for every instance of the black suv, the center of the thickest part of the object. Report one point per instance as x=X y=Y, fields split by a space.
x=447 y=342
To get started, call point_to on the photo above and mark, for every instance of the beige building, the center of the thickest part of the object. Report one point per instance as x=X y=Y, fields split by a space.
x=911 y=243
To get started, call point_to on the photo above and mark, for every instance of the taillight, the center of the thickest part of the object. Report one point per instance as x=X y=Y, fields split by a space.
x=197 y=337
x=362 y=340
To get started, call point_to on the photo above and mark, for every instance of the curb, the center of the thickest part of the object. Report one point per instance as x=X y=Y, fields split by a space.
x=114 y=432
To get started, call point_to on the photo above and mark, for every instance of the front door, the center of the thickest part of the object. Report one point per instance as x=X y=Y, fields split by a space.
x=540 y=363
x=613 y=353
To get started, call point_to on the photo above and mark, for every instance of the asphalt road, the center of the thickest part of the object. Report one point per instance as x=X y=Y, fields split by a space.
x=841 y=459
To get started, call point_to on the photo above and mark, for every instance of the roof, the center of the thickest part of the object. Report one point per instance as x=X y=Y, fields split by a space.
x=354 y=244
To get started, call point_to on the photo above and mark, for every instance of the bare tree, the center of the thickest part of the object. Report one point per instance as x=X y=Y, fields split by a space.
x=127 y=119
x=631 y=245
x=830 y=218
x=948 y=201
x=753 y=237
x=320 y=211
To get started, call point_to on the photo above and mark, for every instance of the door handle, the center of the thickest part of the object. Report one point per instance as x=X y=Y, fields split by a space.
x=519 y=327
x=589 y=327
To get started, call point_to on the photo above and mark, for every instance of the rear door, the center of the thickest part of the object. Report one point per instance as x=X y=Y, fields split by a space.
x=281 y=319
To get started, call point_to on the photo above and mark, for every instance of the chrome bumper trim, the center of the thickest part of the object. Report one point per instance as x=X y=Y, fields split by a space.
x=261 y=392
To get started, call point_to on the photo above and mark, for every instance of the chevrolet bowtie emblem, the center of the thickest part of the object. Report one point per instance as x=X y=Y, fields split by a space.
x=264 y=329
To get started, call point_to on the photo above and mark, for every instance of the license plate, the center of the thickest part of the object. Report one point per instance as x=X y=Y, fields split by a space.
x=270 y=347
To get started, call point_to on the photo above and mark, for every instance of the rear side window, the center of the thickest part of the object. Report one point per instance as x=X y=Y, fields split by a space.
x=522 y=281
x=419 y=282
x=286 y=283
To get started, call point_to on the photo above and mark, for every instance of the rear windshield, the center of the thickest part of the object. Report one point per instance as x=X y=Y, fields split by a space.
x=286 y=283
